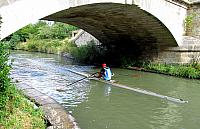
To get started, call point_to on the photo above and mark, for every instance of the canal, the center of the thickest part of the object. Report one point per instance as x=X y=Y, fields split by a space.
x=96 y=105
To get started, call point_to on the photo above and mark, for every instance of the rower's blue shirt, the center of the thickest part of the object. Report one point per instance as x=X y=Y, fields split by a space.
x=107 y=74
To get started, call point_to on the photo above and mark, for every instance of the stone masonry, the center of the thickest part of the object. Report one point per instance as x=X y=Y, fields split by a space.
x=193 y=17
x=188 y=53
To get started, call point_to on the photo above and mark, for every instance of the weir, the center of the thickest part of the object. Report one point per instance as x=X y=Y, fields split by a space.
x=135 y=89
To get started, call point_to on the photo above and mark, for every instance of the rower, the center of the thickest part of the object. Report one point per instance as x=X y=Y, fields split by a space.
x=105 y=73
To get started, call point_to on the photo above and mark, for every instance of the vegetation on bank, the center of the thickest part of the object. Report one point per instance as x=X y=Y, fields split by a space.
x=40 y=31
x=15 y=110
x=42 y=37
x=191 y=71
x=93 y=54
x=51 y=46
x=186 y=71
x=54 y=39
x=88 y=54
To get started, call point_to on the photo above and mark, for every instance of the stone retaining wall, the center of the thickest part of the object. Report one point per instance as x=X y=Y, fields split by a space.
x=177 y=56
x=188 y=53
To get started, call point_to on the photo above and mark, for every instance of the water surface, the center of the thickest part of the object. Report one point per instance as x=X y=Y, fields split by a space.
x=96 y=105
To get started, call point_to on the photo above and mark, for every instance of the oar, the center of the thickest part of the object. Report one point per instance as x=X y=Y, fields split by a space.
x=77 y=81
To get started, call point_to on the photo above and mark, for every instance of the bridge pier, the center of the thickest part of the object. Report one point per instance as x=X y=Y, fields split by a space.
x=186 y=54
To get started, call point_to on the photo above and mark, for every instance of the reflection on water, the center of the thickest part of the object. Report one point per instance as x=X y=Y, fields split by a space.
x=107 y=91
x=97 y=105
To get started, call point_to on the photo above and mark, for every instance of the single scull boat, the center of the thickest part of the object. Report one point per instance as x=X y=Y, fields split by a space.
x=139 y=90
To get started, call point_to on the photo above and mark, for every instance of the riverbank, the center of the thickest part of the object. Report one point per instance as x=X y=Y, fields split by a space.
x=16 y=111
x=191 y=71
x=19 y=112
x=88 y=54
x=49 y=46
x=54 y=39
x=56 y=115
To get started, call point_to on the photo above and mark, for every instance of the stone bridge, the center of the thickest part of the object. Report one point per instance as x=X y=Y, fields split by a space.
x=111 y=21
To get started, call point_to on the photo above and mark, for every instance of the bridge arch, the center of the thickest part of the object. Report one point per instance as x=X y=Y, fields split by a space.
x=145 y=22
x=117 y=23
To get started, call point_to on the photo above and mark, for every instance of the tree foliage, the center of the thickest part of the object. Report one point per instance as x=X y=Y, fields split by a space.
x=55 y=31
x=40 y=30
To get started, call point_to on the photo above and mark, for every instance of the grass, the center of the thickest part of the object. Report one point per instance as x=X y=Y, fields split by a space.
x=16 y=112
x=186 y=71
x=19 y=112
x=191 y=71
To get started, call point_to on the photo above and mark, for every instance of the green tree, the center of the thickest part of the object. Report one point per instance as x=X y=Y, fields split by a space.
x=56 y=31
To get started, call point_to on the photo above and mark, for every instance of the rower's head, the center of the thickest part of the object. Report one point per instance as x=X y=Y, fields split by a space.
x=103 y=65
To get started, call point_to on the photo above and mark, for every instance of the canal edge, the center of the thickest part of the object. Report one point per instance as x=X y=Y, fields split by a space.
x=55 y=114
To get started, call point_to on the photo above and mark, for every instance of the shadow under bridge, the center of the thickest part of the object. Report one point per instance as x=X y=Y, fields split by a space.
x=126 y=29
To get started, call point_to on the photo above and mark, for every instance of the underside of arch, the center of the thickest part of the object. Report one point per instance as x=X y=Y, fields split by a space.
x=113 y=23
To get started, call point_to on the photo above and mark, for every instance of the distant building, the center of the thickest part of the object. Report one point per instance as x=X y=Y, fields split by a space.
x=81 y=37
x=50 y=23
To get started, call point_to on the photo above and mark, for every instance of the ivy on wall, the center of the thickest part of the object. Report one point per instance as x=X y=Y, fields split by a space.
x=189 y=22
x=189 y=19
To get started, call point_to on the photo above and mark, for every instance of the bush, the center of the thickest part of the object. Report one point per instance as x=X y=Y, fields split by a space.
x=4 y=72
x=15 y=110
x=4 y=68
x=32 y=46
x=87 y=54
x=56 y=31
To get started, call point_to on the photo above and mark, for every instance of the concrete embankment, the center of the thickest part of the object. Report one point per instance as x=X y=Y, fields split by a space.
x=56 y=115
